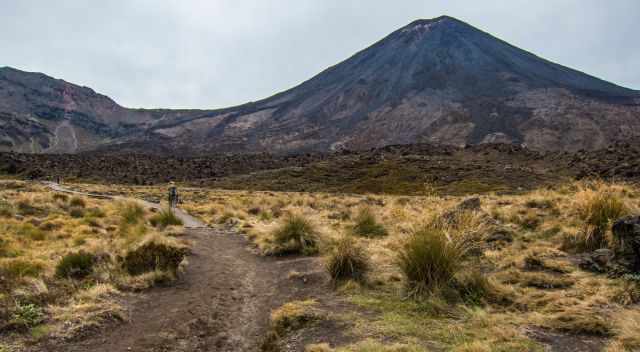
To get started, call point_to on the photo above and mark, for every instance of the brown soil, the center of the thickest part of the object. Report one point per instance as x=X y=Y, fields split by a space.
x=558 y=342
x=221 y=303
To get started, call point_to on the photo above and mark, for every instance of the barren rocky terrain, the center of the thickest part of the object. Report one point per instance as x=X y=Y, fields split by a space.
x=403 y=169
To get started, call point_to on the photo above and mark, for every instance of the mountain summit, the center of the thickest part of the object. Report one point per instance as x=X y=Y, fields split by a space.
x=439 y=80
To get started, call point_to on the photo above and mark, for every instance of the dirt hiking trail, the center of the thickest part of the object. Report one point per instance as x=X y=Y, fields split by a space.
x=221 y=303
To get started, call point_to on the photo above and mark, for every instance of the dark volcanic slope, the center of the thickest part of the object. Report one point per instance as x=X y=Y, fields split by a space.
x=42 y=114
x=437 y=81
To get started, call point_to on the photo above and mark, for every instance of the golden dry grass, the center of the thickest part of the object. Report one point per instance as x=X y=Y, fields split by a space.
x=39 y=230
x=533 y=281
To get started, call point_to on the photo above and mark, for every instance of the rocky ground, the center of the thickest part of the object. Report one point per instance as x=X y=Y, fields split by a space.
x=404 y=169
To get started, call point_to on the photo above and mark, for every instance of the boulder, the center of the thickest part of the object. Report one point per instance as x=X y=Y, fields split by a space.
x=602 y=256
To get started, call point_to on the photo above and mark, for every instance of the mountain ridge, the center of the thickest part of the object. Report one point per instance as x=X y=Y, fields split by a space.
x=435 y=80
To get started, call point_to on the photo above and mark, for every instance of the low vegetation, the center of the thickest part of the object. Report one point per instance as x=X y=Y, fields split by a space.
x=424 y=274
x=296 y=235
x=367 y=225
x=429 y=260
x=347 y=260
x=597 y=204
x=62 y=261
x=75 y=265
x=165 y=218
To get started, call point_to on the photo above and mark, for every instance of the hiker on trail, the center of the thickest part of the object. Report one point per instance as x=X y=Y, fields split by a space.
x=173 y=195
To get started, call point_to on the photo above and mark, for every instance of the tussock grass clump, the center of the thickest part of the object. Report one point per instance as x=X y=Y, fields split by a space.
x=154 y=253
x=429 y=260
x=597 y=205
x=76 y=212
x=296 y=234
x=131 y=212
x=367 y=225
x=77 y=202
x=165 y=218
x=629 y=291
x=294 y=315
x=627 y=330
x=75 y=265
x=347 y=260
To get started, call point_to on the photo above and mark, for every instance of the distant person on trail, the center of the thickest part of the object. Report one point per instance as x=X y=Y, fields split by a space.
x=173 y=195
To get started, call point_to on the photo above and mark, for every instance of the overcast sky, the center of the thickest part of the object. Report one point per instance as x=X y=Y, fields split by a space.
x=217 y=53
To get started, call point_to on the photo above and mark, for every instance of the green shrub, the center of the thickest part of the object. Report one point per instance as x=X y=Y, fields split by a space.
x=295 y=235
x=131 y=212
x=165 y=218
x=367 y=225
x=75 y=265
x=27 y=315
x=77 y=202
x=347 y=260
x=429 y=260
